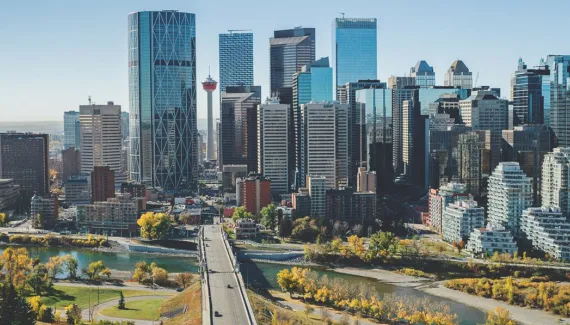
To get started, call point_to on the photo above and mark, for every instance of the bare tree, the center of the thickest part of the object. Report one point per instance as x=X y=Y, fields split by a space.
x=357 y=230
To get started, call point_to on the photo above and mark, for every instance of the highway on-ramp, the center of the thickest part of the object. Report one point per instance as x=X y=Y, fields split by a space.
x=226 y=301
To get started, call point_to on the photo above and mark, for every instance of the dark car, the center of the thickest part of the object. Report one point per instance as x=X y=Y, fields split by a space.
x=179 y=289
x=217 y=314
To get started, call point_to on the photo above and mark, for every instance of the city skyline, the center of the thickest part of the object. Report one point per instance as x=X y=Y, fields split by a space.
x=99 y=66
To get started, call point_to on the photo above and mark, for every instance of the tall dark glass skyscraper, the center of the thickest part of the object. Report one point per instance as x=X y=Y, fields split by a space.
x=236 y=59
x=354 y=50
x=162 y=99
x=527 y=94
x=559 y=66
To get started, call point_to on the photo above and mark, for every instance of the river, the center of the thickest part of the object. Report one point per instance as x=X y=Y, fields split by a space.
x=265 y=275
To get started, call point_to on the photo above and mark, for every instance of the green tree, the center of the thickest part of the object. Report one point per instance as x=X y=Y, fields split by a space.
x=305 y=229
x=381 y=244
x=241 y=213
x=70 y=265
x=14 y=309
x=154 y=225
x=285 y=228
x=94 y=269
x=39 y=279
x=121 y=300
x=73 y=313
x=269 y=217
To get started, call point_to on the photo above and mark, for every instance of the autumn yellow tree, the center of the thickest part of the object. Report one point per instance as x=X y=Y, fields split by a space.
x=154 y=225
x=499 y=316
x=3 y=219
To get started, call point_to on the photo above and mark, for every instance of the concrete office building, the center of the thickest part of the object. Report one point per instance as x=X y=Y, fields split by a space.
x=555 y=189
x=77 y=191
x=163 y=123
x=101 y=138
x=9 y=194
x=529 y=94
x=483 y=110
x=317 y=186
x=353 y=207
x=237 y=143
x=460 y=218
x=424 y=74
x=236 y=59
x=440 y=198
x=559 y=66
x=528 y=145
x=366 y=181
x=115 y=217
x=24 y=158
x=509 y=194
x=447 y=104
x=273 y=148
x=493 y=238
x=547 y=230
x=458 y=75
x=325 y=142
x=102 y=183
x=399 y=95
x=71 y=134
x=71 y=159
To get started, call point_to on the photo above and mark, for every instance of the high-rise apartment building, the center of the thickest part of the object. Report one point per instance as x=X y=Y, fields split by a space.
x=555 y=186
x=528 y=145
x=345 y=204
x=548 y=230
x=237 y=143
x=458 y=75
x=254 y=193
x=162 y=99
x=289 y=51
x=102 y=183
x=354 y=49
x=399 y=95
x=424 y=74
x=460 y=218
x=440 y=198
x=24 y=158
x=101 y=139
x=493 y=238
x=77 y=191
x=509 y=194
x=71 y=133
x=273 y=148
x=325 y=142
x=483 y=110
x=236 y=59
x=528 y=94
x=366 y=181
x=559 y=66
x=317 y=186
x=71 y=159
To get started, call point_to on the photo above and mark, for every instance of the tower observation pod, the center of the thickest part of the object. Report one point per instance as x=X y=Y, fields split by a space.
x=209 y=86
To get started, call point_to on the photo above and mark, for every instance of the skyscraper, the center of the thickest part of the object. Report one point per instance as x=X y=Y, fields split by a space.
x=236 y=59
x=162 y=97
x=527 y=94
x=560 y=98
x=125 y=125
x=423 y=73
x=555 y=189
x=71 y=130
x=458 y=75
x=101 y=138
x=354 y=49
x=273 y=153
x=24 y=158
x=209 y=86
x=289 y=51
x=237 y=143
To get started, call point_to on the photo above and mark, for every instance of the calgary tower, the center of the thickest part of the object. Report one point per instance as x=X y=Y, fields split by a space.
x=209 y=86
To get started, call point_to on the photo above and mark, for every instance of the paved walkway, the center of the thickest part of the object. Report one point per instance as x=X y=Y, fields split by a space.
x=126 y=286
x=115 y=302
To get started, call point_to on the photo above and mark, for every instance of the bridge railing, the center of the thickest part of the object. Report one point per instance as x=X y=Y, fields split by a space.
x=207 y=317
x=239 y=278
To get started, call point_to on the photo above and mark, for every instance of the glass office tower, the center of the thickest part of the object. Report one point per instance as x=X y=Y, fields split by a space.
x=526 y=94
x=162 y=99
x=424 y=74
x=354 y=52
x=71 y=135
x=236 y=59
x=560 y=98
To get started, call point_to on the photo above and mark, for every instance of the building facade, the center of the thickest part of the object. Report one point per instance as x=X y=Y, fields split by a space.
x=353 y=207
x=71 y=160
x=162 y=46
x=555 y=185
x=547 y=230
x=528 y=95
x=509 y=194
x=9 y=194
x=301 y=201
x=236 y=59
x=255 y=193
x=458 y=75
x=559 y=66
x=460 y=218
x=366 y=181
x=24 y=158
x=423 y=73
x=440 y=198
x=43 y=211
x=77 y=191
x=71 y=134
x=317 y=186
x=493 y=238
x=102 y=183
x=115 y=216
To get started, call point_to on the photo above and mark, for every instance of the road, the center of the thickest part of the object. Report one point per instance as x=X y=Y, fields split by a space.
x=226 y=301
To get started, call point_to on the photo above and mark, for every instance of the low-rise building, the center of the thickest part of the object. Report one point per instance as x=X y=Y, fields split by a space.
x=9 y=193
x=77 y=191
x=116 y=216
x=44 y=211
x=301 y=203
x=547 y=230
x=246 y=228
x=491 y=239
x=460 y=218
x=353 y=207
x=439 y=199
x=254 y=193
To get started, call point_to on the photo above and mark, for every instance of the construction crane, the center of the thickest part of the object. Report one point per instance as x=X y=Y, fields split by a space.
x=238 y=30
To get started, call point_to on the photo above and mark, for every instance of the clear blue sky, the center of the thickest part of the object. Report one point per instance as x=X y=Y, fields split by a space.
x=53 y=54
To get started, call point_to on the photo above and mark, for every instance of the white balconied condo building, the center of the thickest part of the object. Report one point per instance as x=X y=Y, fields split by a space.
x=460 y=218
x=556 y=179
x=491 y=239
x=440 y=198
x=509 y=194
x=548 y=230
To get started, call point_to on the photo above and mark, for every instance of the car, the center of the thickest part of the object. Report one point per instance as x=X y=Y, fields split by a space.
x=229 y=286
x=179 y=289
x=216 y=314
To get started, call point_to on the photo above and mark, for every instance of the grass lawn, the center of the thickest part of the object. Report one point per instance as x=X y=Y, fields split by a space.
x=62 y=296
x=146 y=309
x=190 y=297
x=264 y=310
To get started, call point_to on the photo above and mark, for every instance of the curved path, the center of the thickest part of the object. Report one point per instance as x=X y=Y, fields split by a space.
x=111 y=303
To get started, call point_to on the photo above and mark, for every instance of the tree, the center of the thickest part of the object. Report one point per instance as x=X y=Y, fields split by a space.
x=15 y=265
x=357 y=230
x=3 y=219
x=39 y=279
x=39 y=221
x=184 y=279
x=285 y=228
x=106 y=273
x=381 y=244
x=159 y=275
x=70 y=265
x=241 y=213
x=14 y=309
x=141 y=272
x=154 y=225
x=94 y=269
x=285 y=281
x=304 y=229
x=54 y=266
x=121 y=300
x=73 y=313
x=499 y=316
x=308 y=309
x=269 y=216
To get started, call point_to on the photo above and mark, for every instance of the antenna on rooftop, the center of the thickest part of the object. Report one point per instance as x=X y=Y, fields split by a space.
x=342 y=13
x=89 y=99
